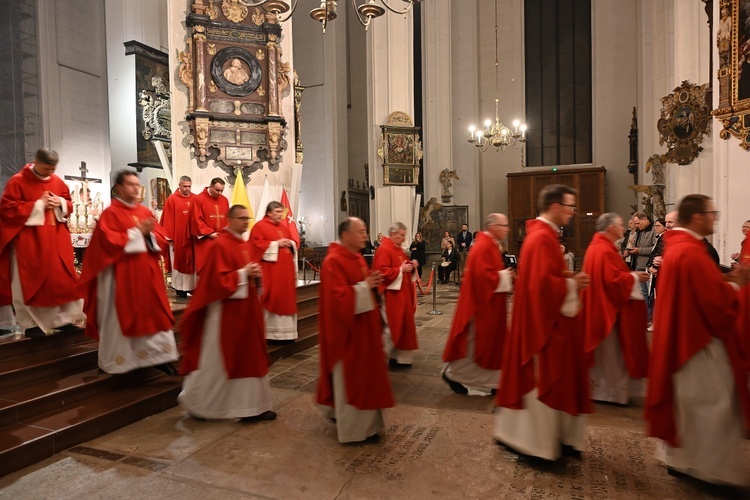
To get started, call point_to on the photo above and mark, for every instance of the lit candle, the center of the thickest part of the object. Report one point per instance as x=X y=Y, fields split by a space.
x=516 y=123
x=85 y=194
x=472 y=128
x=523 y=130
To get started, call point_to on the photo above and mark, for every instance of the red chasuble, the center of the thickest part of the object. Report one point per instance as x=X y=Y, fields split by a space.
x=6 y=297
x=243 y=340
x=353 y=339
x=607 y=301
x=544 y=349
x=479 y=300
x=280 y=277
x=175 y=219
x=45 y=253
x=399 y=304
x=743 y=317
x=695 y=304
x=140 y=298
x=207 y=215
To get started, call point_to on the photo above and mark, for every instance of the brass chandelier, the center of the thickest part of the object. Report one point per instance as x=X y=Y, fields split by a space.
x=496 y=134
x=328 y=10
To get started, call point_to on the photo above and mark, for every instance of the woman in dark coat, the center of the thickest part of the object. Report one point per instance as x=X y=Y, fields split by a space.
x=418 y=252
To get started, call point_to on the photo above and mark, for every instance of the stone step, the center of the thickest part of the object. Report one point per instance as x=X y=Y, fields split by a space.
x=36 y=438
x=47 y=366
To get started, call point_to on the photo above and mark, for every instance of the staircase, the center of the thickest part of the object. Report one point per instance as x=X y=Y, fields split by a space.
x=53 y=397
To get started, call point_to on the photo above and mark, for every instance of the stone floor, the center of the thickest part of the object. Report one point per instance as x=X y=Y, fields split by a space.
x=439 y=445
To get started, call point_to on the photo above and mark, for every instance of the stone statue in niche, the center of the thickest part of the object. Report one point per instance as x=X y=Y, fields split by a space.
x=655 y=164
x=446 y=180
x=235 y=73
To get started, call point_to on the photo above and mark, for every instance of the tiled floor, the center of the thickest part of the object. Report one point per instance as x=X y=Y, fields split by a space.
x=439 y=445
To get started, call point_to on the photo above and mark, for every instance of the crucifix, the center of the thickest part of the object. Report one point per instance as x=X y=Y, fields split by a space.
x=81 y=199
x=83 y=177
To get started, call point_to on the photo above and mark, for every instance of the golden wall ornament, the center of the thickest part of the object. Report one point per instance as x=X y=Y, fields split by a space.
x=231 y=68
x=234 y=10
x=212 y=11
x=685 y=119
x=733 y=44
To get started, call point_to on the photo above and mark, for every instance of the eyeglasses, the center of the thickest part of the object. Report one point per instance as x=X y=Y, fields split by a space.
x=572 y=207
x=504 y=225
x=715 y=212
x=241 y=218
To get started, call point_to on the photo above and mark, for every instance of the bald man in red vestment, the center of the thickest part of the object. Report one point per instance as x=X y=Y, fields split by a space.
x=123 y=285
x=224 y=349
x=399 y=275
x=698 y=402
x=614 y=315
x=175 y=219
x=474 y=350
x=273 y=246
x=208 y=216
x=353 y=376
x=35 y=242
x=543 y=390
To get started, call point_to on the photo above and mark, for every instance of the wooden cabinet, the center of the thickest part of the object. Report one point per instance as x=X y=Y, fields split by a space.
x=523 y=191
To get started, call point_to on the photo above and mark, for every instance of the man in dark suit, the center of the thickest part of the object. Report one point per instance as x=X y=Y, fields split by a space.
x=463 y=242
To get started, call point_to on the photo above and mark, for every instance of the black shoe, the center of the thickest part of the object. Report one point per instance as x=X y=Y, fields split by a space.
x=569 y=451
x=266 y=416
x=70 y=327
x=392 y=363
x=181 y=293
x=455 y=386
x=168 y=369
x=280 y=342
x=34 y=333
x=375 y=438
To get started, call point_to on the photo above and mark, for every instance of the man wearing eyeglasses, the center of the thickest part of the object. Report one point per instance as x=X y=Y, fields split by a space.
x=474 y=350
x=543 y=391
x=224 y=348
x=698 y=402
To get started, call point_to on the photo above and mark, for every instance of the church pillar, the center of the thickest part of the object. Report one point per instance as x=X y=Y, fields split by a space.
x=390 y=80
x=438 y=102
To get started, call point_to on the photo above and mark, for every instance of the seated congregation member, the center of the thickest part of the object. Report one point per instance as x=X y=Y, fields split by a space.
x=614 y=315
x=399 y=293
x=272 y=246
x=123 y=287
x=224 y=356
x=698 y=402
x=36 y=253
x=353 y=376
x=448 y=263
x=474 y=350
x=543 y=393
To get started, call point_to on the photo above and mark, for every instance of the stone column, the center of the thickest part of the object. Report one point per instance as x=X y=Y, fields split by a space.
x=390 y=81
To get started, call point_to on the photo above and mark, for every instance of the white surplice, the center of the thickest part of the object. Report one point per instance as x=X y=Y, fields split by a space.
x=117 y=353
x=7 y=318
x=709 y=421
x=279 y=327
x=180 y=281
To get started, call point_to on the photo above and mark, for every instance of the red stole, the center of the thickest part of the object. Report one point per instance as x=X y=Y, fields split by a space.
x=353 y=339
x=208 y=215
x=544 y=349
x=45 y=253
x=280 y=277
x=695 y=304
x=399 y=304
x=479 y=301
x=243 y=341
x=140 y=297
x=175 y=219
x=607 y=301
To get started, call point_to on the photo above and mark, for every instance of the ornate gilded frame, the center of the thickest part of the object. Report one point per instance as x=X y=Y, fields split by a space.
x=401 y=151
x=733 y=43
x=685 y=119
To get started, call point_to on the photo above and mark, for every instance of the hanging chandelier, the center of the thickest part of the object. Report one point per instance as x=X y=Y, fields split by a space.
x=495 y=133
x=328 y=10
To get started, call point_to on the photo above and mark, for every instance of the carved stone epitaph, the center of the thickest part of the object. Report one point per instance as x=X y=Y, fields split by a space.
x=234 y=73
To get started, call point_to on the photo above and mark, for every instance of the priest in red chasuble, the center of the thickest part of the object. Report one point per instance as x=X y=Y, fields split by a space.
x=474 y=351
x=399 y=275
x=208 y=216
x=224 y=348
x=743 y=316
x=175 y=219
x=36 y=250
x=543 y=391
x=614 y=315
x=273 y=246
x=698 y=401
x=353 y=376
x=123 y=286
